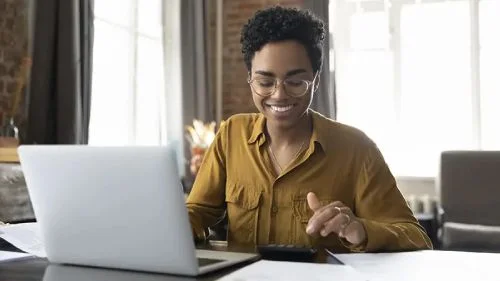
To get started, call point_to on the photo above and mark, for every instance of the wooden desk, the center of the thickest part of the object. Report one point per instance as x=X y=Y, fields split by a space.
x=8 y=155
x=41 y=269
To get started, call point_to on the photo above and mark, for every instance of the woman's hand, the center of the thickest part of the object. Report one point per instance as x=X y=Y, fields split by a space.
x=334 y=218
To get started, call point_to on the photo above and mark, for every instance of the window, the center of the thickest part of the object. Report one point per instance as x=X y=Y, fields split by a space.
x=489 y=43
x=128 y=90
x=418 y=77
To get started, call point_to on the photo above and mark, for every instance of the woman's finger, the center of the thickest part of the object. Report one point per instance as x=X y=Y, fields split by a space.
x=323 y=215
x=338 y=223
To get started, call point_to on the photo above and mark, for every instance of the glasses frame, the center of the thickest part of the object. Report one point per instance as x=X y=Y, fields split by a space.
x=277 y=82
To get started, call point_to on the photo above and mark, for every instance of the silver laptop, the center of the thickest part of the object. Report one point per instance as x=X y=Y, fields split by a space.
x=115 y=207
x=57 y=272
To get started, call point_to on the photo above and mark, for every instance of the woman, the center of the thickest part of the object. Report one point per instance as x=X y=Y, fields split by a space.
x=288 y=175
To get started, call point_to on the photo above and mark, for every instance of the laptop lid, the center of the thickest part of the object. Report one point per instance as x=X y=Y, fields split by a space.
x=117 y=207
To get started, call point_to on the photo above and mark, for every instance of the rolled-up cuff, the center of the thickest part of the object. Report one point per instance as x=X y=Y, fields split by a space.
x=199 y=233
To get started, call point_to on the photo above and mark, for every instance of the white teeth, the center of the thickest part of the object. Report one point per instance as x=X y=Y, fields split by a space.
x=281 y=108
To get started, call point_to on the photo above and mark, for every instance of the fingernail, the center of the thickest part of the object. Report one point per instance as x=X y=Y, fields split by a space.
x=309 y=229
x=323 y=233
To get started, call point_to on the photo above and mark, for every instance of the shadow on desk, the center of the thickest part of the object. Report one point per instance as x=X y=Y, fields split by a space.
x=41 y=269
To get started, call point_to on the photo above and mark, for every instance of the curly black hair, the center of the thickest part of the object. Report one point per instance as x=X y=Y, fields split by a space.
x=279 y=24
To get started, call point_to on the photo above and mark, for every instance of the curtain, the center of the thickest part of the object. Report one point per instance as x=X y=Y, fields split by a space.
x=198 y=98
x=324 y=100
x=61 y=74
x=197 y=83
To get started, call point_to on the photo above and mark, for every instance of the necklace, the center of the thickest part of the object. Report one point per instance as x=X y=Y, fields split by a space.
x=295 y=156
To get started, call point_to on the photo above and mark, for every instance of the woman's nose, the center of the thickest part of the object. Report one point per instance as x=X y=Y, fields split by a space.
x=280 y=91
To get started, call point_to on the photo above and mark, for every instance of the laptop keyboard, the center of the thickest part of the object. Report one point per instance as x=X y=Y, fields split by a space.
x=203 y=261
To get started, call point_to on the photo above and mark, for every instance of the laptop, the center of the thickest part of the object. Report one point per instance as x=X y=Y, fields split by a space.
x=57 y=272
x=115 y=207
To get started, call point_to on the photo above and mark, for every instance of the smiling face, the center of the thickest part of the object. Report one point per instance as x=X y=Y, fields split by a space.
x=286 y=61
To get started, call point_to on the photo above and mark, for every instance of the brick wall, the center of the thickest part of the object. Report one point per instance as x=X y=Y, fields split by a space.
x=236 y=92
x=13 y=51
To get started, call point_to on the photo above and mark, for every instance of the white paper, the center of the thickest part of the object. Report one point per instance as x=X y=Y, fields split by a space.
x=24 y=236
x=12 y=256
x=425 y=265
x=274 y=270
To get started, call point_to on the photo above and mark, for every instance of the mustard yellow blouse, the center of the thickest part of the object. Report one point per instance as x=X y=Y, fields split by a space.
x=341 y=163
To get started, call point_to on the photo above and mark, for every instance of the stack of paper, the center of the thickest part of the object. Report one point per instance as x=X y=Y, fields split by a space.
x=24 y=236
x=425 y=265
x=274 y=270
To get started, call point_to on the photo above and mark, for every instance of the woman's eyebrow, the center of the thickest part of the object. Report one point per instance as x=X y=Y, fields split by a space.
x=295 y=71
x=265 y=73
x=288 y=74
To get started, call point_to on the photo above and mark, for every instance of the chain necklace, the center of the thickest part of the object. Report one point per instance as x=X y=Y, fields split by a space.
x=295 y=156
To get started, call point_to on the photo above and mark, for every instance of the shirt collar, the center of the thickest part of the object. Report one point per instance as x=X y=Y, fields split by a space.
x=319 y=134
x=320 y=130
x=258 y=129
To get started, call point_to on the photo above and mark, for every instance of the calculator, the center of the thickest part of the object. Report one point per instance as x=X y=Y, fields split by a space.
x=286 y=252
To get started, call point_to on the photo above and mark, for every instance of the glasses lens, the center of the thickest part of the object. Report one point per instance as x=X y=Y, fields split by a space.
x=295 y=87
x=263 y=86
x=266 y=86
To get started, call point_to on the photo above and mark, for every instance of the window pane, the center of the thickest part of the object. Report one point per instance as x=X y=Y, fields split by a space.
x=489 y=21
x=112 y=69
x=436 y=110
x=365 y=95
x=490 y=98
x=150 y=86
x=364 y=77
x=369 y=30
x=149 y=21
x=115 y=11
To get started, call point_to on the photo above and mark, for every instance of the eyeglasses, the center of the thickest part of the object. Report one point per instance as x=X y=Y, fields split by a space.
x=266 y=86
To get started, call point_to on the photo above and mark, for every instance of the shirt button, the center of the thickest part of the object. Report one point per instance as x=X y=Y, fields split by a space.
x=274 y=209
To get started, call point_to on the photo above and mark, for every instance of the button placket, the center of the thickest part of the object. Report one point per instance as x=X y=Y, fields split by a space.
x=274 y=210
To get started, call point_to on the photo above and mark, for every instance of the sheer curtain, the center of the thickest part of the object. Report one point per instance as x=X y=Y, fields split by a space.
x=136 y=83
x=418 y=76
x=172 y=103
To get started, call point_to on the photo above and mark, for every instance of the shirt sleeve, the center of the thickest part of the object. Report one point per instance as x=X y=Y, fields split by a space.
x=388 y=221
x=205 y=203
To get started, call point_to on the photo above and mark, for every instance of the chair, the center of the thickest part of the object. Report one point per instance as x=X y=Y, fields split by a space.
x=469 y=183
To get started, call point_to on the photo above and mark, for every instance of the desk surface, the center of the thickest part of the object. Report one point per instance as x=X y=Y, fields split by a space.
x=41 y=269
x=8 y=154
